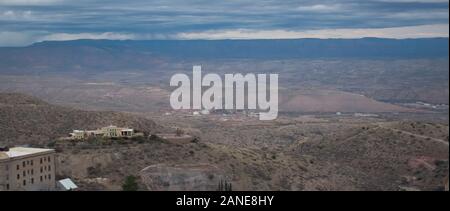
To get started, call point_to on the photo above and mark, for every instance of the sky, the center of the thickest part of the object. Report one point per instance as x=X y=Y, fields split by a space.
x=23 y=22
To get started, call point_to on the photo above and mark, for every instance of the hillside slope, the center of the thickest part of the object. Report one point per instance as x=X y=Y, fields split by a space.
x=26 y=120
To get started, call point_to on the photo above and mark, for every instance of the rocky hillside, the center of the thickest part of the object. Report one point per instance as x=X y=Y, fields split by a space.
x=382 y=157
x=25 y=119
x=303 y=153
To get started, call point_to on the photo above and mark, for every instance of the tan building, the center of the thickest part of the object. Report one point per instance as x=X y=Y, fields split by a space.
x=116 y=132
x=109 y=132
x=27 y=169
x=78 y=134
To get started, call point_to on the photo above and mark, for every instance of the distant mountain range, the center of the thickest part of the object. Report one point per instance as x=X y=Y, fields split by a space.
x=117 y=55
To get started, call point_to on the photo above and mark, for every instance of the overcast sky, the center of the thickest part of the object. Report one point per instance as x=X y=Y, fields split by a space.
x=23 y=22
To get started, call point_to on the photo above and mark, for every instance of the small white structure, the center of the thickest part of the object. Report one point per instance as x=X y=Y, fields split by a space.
x=365 y=115
x=253 y=115
x=205 y=112
x=66 y=185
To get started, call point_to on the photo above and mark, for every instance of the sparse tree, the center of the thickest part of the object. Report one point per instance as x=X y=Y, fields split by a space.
x=224 y=186
x=130 y=184
x=179 y=132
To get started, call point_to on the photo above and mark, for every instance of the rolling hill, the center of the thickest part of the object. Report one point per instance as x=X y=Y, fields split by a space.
x=27 y=120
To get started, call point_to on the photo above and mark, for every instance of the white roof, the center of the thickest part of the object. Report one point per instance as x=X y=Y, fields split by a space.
x=67 y=184
x=111 y=126
x=23 y=151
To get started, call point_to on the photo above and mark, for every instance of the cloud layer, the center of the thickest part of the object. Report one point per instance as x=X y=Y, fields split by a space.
x=26 y=21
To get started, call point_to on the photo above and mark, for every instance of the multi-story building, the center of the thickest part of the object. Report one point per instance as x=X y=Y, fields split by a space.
x=109 y=132
x=78 y=134
x=114 y=132
x=27 y=169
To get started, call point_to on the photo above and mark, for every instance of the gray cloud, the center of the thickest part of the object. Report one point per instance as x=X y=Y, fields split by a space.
x=158 y=19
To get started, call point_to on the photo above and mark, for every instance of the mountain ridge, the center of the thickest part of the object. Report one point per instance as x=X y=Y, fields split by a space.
x=106 y=55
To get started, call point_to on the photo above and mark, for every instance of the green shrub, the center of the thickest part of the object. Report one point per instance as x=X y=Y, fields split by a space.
x=130 y=184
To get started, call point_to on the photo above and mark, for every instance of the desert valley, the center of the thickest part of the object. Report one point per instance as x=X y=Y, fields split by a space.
x=363 y=121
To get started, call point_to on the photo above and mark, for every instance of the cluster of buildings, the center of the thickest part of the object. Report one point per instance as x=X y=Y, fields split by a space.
x=30 y=169
x=104 y=132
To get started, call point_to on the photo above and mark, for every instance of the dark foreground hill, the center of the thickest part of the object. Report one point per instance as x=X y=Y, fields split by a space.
x=27 y=120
